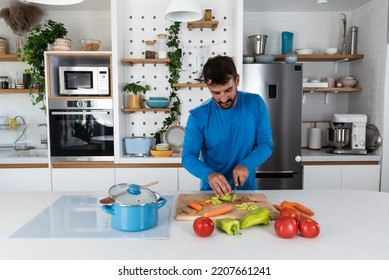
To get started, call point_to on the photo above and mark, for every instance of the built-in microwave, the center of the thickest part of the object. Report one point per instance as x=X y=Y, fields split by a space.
x=83 y=80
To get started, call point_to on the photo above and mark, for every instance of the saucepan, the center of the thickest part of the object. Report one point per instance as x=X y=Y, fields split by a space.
x=135 y=208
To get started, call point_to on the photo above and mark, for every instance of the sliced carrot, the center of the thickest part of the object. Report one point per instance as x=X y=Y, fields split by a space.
x=226 y=208
x=195 y=205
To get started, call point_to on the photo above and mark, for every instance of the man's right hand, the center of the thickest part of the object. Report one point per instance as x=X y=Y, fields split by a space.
x=219 y=184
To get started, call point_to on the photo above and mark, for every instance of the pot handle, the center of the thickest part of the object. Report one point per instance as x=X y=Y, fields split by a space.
x=108 y=209
x=161 y=202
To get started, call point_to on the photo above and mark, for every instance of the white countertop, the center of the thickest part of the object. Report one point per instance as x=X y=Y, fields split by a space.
x=354 y=225
x=24 y=156
x=322 y=155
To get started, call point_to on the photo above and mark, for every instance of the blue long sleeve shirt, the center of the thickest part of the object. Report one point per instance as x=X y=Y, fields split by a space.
x=217 y=140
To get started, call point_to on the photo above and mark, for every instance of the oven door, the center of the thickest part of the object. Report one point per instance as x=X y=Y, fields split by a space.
x=81 y=135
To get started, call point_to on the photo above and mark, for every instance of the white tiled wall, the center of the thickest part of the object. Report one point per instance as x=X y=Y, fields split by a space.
x=321 y=30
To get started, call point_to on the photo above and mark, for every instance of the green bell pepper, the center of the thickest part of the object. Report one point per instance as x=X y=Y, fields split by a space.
x=227 y=197
x=229 y=225
x=259 y=216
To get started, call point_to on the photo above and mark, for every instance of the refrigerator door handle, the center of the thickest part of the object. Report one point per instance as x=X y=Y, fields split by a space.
x=275 y=174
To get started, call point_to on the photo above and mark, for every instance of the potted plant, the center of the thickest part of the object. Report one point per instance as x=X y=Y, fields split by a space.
x=134 y=98
x=33 y=53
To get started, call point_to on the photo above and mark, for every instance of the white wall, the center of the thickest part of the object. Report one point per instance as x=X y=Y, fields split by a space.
x=80 y=24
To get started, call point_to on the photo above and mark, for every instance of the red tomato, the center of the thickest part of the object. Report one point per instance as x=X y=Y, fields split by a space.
x=309 y=228
x=286 y=227
x=203 y=226
x=289 y=212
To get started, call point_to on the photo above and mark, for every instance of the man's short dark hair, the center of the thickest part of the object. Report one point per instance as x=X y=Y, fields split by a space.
x=219 y=70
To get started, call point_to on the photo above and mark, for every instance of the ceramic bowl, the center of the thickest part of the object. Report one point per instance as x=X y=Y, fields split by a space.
x=158 y=103
x=348 y=82
x=248 y=59
x=264 y=58
x=290 y=58
x=90 y=44
x=330 y=51
x=166 y=153
x=305 y=51
x=158 y=98
x=162 y=147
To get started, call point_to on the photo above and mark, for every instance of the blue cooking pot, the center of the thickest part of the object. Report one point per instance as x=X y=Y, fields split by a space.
x=135 y=207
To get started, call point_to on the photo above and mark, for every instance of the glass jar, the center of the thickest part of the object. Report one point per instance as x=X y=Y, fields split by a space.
x=149 y=52
x=208 y=15
x=3 y=82
x=162 y=47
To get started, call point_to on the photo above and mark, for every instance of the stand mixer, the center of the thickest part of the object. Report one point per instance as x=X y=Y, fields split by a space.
x=348 y=134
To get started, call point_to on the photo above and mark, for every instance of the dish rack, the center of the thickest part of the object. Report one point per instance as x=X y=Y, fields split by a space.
x=16 y=145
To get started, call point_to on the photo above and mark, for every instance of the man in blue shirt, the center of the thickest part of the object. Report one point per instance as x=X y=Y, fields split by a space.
x=229 y=135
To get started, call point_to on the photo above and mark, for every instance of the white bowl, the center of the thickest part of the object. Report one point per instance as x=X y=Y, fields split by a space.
x=305 y=51
x=248 y=59
x=264 y=58
x=330 y=50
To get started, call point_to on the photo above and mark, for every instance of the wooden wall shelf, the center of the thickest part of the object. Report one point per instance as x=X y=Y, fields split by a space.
x=202 y=24
x=178 y=86
x=342 y=89
x=17 y=90
x=132 y=61
x=131 y=110
x=8 y=57
x=322 y=57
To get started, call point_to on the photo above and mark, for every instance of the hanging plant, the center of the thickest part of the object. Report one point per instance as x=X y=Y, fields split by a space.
x=175 y=66
x=33 y=53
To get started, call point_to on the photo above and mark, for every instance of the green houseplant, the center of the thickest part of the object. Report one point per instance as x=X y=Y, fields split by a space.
x=33 y=51
x=135 y=88
x=175 y=66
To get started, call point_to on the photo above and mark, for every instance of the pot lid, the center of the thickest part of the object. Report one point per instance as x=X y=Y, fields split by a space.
x=132 y=195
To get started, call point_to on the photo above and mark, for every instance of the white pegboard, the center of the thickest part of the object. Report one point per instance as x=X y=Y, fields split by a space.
x=143 y=22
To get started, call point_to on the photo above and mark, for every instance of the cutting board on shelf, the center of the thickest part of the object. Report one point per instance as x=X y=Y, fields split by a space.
x=185 y=213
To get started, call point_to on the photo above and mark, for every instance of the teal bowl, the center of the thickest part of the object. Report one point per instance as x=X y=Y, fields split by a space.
x=157 y=103
x=158 y=98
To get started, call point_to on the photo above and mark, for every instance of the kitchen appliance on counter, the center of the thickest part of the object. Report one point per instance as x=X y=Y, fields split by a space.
x=81 y=129
x=348 y=134
x=280 y=85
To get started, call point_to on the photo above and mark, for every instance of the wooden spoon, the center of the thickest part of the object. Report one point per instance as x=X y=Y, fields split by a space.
x=109 y=200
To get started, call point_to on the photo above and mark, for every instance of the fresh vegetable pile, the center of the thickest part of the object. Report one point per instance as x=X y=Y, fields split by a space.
x=293 y=218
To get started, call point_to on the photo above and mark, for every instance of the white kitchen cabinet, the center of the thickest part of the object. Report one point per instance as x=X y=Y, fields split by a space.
x=186 y=181
x=167 y=177
x=361 y=177
x=25 y=179
x=83 y=179
x=355 y=177
x=322 y=177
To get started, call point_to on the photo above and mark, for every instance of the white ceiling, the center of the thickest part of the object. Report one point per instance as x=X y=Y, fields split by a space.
x=301 y=5
x=93 y=5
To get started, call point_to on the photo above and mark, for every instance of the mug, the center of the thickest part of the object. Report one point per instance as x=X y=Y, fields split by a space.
x=331 y=82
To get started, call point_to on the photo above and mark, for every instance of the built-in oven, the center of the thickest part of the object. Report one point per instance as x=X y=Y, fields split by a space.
x=81 y=129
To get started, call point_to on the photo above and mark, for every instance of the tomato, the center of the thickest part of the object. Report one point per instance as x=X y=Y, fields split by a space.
x=291 y=213
x=286 y=227
x=309 y=228
x=203 y=226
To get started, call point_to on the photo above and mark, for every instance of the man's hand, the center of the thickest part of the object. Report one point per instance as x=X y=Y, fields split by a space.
x=219 y=184
x=240 y=174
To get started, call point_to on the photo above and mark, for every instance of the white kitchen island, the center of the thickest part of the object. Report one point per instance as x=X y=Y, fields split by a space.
x=354 y=226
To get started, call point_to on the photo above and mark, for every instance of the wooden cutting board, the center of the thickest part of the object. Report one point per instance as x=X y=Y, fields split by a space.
x=185 y=213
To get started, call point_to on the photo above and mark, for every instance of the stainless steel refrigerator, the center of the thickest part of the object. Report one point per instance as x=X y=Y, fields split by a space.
x=280 y=85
